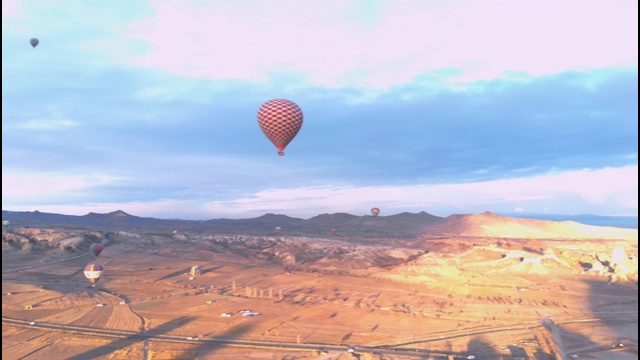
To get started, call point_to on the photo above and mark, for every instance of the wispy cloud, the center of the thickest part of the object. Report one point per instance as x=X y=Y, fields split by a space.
x=590 y=192
x=53 y=120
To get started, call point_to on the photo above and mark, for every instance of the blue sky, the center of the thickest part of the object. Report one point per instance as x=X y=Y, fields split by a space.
x=440 y=106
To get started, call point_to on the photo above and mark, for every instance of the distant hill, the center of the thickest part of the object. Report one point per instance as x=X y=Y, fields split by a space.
x=488 y=224
x=400 y=225
x=630 y=222
x=403 y=225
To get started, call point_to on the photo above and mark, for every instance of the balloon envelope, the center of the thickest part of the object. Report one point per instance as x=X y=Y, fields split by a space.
x=34 y=42
x=375 y=211
x=280 y=120
x=93 y=272
x=333 y=232
x=96 y=249
x=278 y=229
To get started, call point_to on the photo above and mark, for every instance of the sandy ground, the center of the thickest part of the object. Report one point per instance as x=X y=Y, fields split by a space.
x=449 y=298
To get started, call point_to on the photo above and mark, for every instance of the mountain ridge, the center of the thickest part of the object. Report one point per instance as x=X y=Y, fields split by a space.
x=402 y=225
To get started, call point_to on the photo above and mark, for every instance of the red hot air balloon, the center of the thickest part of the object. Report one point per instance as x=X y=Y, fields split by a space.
x=333 y=232
x=96 y=249
x=375 y=211
x=34 y=42
x=280 y=120
x=93 y=272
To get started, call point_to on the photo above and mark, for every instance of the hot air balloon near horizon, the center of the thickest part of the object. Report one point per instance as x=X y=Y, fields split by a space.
x=375 y=211
x=280 y=120
x=333 y=232
x=93 y=272
x=277 y=229
x=96 y=249
x=34 y=42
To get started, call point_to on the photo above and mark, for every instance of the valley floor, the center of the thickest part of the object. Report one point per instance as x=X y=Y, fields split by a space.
x=457 y=298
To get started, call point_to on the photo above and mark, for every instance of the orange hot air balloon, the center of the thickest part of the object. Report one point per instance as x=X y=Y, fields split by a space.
x=280 y=120
x=34 y=42
x=375 y=211
x=333 y=232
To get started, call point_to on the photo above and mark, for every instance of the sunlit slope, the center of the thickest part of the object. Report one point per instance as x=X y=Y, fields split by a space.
x=492 y=225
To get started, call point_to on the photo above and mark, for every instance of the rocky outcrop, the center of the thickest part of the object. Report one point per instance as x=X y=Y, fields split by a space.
x=622 y=265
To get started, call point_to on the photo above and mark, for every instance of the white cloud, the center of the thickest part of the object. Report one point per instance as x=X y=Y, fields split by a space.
x=592 y=189
x=43 y=186
x=10 y=9
x=320 y=40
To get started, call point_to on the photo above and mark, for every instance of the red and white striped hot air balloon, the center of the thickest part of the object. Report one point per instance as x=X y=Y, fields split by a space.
x=375 y=211
x=280 y=120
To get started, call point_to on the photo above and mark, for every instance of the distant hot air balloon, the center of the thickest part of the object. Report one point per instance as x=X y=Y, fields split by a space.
x=333 y=232
x=278 y=229
x=5 y=222
x=93 y=272
x=280 y=120
x=196 y=270
x=375 y=211
x=96 y=249
x=34 y=42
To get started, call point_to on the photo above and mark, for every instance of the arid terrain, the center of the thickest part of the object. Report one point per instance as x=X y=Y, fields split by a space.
x=477 y=286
